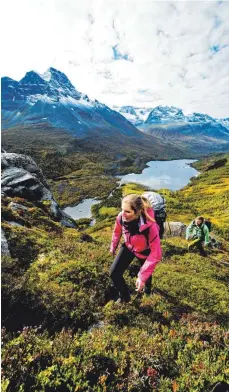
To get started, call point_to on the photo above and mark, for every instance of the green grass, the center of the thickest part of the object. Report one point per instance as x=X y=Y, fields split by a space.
x=58 y=279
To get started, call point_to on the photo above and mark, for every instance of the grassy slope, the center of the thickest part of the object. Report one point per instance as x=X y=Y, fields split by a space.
x=208 y=195
x=174 y=340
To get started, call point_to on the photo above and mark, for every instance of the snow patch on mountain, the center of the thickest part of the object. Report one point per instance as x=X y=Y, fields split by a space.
x=46 y=76
x=32 y=99
x=136 y=115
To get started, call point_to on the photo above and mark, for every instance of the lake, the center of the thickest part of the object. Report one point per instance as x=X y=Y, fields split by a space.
x=172 y=175
x=82 y=210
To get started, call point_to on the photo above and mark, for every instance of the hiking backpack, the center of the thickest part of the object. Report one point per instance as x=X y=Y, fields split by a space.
x=158 y=204
x=208 y=223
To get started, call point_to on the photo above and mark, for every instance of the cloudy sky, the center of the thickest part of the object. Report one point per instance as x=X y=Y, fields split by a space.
x=125 y=52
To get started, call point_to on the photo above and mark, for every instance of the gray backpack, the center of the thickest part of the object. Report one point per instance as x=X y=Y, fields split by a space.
x=158 y=204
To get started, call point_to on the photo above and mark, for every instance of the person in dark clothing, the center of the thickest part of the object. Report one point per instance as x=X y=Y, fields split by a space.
x=198 y=234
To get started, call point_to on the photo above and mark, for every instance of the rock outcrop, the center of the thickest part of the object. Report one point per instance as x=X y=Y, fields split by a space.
x=21 y=177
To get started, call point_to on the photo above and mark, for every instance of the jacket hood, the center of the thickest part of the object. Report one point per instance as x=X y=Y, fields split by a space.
x=145 y=224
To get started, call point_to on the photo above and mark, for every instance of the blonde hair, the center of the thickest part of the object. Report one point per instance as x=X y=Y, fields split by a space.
x=139 y=204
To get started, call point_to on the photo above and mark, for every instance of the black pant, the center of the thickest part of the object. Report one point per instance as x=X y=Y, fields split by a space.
x=197 y=243
x=119 y=266
x=161 y=229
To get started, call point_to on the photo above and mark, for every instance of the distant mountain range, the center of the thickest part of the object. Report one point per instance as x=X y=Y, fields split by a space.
x=168 y=115
x=198 y=131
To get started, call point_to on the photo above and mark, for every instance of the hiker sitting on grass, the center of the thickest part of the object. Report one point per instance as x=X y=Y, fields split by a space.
x=198 y=233
x=141 y=240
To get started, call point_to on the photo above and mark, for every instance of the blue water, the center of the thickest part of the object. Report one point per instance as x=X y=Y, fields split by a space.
x=82 y=210
x=172 y=175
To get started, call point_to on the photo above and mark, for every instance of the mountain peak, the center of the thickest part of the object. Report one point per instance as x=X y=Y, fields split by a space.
x=128 y=109
x=54 y=70
x=31 y=77
x=59 y=77
x=169 y=110
x=161 y=114
x=7 y=79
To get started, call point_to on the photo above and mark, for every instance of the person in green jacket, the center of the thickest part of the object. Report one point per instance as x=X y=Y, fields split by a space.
x=198 y=235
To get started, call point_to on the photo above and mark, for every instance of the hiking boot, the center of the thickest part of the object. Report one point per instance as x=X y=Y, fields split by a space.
x=121 y=301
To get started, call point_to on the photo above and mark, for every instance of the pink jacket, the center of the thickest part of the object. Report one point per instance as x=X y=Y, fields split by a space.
x=138 y=243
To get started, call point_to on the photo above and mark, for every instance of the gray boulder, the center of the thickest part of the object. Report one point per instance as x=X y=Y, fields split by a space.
x=12 y=160
x=21 y=177
x=175 y=229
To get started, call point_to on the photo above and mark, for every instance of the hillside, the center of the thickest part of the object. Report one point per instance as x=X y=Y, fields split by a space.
x=61 y=332
x=208 y=195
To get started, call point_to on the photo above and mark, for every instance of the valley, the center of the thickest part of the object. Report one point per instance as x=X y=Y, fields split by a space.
x=62 y=330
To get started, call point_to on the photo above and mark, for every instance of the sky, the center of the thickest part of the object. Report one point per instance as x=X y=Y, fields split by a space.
x=143 y=53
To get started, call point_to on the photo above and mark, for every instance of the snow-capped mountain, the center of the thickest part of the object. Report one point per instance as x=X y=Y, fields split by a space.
x=171 y=114
x=168 y=115
x=197 y=131
x=51 y=98
x=173 y=120
x=224 y=122
x=135 y=115
x=165 y=115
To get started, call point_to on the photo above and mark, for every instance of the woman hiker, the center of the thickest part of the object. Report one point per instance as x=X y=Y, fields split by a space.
x=141 y=240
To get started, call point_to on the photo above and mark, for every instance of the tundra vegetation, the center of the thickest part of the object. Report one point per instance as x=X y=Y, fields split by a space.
x=61 y=328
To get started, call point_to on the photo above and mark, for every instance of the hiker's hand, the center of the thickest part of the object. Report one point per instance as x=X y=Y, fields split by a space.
x=139 y=285
x=112 y=252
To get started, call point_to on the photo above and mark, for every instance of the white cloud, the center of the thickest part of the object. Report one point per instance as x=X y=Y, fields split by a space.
x=173 y=53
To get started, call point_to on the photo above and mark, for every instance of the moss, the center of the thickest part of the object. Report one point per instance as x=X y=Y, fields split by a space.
x=175 y=339
x=108 y=211
x=133 y=188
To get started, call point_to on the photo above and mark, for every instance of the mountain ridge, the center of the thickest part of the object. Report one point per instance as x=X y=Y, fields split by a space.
x=167 y=114
x=52 y=97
